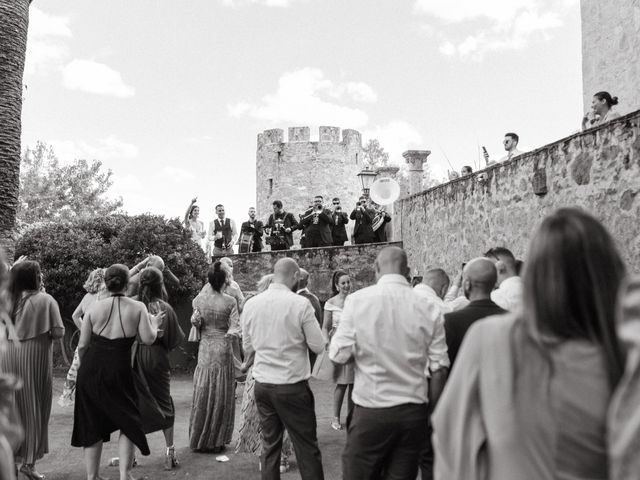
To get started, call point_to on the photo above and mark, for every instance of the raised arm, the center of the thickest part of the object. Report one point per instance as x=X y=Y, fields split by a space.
x=186 y=215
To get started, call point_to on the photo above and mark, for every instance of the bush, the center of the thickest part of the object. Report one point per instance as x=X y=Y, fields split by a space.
x=68 y=252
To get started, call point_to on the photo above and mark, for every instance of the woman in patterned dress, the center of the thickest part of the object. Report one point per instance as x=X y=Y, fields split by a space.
x=213 y=406
x=343 y=374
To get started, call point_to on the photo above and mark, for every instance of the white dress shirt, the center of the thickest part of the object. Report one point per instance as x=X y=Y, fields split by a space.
x=281 y=327
x=211 y=236
x=389 y=331
x=450 y=303
x=509 y=294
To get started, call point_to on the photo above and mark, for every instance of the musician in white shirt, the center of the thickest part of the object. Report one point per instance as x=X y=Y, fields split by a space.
x=222 y=234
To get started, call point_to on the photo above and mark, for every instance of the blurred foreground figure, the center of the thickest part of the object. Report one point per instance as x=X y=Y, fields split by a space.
x=528 y=397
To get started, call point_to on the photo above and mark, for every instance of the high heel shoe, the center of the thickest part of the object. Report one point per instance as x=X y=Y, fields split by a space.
x=30 y=473
x=170 y=459
x=335 y=424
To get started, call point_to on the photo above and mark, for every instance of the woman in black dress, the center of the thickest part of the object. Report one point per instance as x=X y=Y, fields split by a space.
x=106 y=398
x=152 y=371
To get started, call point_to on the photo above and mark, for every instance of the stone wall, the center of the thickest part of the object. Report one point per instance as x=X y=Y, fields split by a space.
x=356 y=260
x=297 y=170
x=598 y=170
x=611 y=51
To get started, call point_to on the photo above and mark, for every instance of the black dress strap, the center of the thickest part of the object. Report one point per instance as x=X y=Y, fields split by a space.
x=113 y=301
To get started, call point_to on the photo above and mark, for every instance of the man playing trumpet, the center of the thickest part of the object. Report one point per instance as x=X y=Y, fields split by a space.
x=317 y=223
x=340 y=219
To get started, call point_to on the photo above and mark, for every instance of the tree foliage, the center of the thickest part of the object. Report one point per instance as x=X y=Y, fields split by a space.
x=374 y=154
x=68 y=251
x=51 y=191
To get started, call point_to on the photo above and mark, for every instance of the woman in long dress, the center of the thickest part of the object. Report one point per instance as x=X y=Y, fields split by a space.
x=152 y=371
x=343 y=374
x=213 y=407
x=106 y=398
x=96 y=290
x=529 y=393
x=28 y=355
x=250 y=431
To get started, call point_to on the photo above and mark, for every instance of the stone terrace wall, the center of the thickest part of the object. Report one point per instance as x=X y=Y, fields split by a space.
x=598 y=170
x=357 y=260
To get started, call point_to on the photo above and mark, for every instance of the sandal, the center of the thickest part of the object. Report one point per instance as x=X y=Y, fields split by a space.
x=335 y=424
x=29 y=471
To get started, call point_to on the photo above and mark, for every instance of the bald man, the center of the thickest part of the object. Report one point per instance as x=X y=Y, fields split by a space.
x=388 y=330
x=151 y=261
x=508 y=295
x=478 y=280
x=280 y=327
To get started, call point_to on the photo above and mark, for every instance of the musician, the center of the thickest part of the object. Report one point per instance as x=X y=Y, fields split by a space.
x=281 y=225
x=379 y=224
x=363 y=215
x=222 y=233
x=317 y=224
x=340 y=219
x=255 y=228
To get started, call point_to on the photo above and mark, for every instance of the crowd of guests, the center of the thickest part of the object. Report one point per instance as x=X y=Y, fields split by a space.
x=545 y=383
x=319 y=225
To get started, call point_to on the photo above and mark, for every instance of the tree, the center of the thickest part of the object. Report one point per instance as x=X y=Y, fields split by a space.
x=14 y=22
x=50 y=191
x=374 y=154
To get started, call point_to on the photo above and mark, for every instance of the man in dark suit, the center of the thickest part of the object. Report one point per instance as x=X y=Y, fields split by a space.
x=340 y=219
x=363 y=215
x=478 y=279
x=281 y=224
x=303 y=290
x=255 y=228
x=317 y=225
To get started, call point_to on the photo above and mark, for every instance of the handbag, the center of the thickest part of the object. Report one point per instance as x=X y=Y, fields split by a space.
x=324 y=368
x=194 y=334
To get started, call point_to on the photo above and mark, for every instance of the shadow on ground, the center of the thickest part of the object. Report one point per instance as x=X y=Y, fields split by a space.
x=66 y=463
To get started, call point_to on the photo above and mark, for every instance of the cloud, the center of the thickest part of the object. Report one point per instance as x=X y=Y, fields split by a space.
x=469 y=28
x=46 y=41
x=94 y=77
x=108 y=148
x=175 y=174
x=395 y=137
x=306 y=96
x=266 y=3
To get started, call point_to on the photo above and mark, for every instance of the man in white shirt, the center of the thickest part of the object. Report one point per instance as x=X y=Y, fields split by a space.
x=508 y=295
x=279 y=327
x=435 y=287
x=222 y=234
x=510 y=143
x=389 y=332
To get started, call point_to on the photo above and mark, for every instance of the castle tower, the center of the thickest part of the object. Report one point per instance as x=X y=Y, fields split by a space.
x=611 y=51
x=297 y=170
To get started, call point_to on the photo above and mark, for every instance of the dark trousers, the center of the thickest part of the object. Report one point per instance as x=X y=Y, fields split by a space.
x=426 y=457
x=291 y=407
x=385 y=442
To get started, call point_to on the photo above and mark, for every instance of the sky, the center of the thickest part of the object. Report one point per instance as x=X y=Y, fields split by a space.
x=171 y=95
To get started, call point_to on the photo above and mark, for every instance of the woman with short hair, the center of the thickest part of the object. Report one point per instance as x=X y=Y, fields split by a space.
x=529 y=393
x=36 y=322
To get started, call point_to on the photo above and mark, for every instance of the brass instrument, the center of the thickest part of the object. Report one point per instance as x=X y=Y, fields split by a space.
x=384 y=191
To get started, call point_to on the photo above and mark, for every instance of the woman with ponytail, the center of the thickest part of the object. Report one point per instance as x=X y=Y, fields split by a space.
x=215 y=314
x=152 y=370
x=600 y=113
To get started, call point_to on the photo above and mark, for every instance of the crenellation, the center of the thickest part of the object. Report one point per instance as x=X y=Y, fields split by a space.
x=299 y=134
x=275 y=135
x=329 y=134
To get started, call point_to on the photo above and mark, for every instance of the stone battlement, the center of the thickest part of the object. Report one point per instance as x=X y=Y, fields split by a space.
x=303 y=134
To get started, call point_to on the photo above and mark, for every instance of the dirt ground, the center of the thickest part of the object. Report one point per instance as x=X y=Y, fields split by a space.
x=66 y=463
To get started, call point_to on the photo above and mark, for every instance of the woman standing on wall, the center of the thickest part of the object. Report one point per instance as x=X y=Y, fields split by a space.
x=601 y=106
x=215 y=315
x=152 y=371
x=343 y=374
x=192 y=224
x=29 y=356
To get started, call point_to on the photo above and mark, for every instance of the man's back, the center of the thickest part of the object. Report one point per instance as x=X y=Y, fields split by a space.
x=392 y=328
x=280 y=327
x=457 y=323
